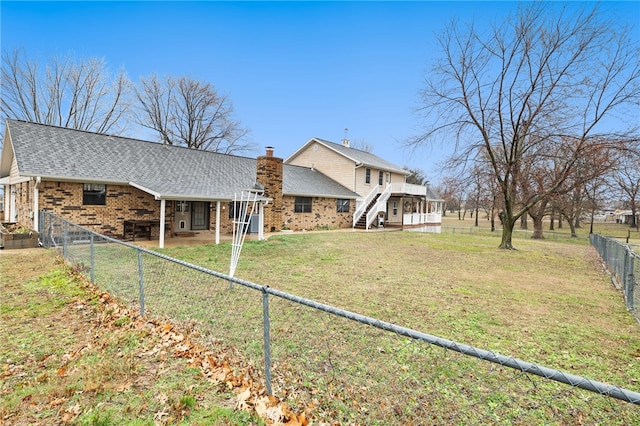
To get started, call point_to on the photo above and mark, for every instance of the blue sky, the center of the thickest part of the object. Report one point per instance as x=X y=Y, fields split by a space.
x=293 y=70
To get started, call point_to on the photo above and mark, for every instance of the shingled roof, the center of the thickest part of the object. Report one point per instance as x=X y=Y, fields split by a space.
x=356 y=155
x=167 y=172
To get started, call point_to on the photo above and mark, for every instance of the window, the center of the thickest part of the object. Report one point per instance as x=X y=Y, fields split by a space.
x=302 y=205
x=94 y=194
x=182 y=206
x=367 y=175
x=388 y=177
x=234 y=209
x=395 y=208
x=342 y=205
x=380 y=178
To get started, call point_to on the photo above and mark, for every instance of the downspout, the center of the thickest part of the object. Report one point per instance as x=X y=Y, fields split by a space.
x=36 y=204
x=355 y=176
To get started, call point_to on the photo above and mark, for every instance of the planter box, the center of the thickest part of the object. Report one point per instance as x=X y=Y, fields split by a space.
x=17 y=240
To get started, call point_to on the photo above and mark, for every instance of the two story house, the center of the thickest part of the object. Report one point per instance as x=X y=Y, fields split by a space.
x=384 y=196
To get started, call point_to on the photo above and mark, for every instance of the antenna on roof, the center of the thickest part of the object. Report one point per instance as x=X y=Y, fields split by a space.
x=345 y=141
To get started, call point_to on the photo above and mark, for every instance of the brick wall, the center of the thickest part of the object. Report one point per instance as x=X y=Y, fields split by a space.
x=122 y=203
x=269 y=173
x=24 y=198
x=125 y=203
x=323 y=214
x=226 y=223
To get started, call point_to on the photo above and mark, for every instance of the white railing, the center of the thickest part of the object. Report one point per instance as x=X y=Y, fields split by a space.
x=421 y=218
x=381 y=205
x=363 y=207
x=408 y=188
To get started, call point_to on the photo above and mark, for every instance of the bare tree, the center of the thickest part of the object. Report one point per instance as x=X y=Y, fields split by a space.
x=543 y=77
x=190 y=113
x=80 y=94
x=362 y=145
x=451 y=189
x=595 y=162
x=627 y=178
x=417 y=176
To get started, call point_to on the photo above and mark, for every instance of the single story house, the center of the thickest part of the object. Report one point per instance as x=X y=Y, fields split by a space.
x=105 y=182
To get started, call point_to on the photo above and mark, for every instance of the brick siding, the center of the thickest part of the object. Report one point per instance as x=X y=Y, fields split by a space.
x=323 y=215
x=122 y=203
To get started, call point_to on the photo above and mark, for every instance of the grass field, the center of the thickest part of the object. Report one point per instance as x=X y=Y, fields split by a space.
x=549 y=302
x=68 y=355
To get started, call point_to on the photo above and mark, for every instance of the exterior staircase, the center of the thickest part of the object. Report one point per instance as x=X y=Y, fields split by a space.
x=362 y=221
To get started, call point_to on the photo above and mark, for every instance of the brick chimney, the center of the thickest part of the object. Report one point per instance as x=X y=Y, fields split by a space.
x=269 y=174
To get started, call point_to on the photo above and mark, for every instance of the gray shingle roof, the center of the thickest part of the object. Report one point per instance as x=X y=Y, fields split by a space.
x=166 y=171
x=363 y=157
x=304 y=181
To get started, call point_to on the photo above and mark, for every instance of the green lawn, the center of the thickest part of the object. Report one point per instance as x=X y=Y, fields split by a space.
x=548 y=302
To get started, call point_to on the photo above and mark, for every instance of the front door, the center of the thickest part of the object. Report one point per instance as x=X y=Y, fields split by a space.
x=183 y=216
x=199 y=215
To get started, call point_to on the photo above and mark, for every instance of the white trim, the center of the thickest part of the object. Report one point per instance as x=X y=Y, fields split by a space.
x=261 y=221
x=147 y=190
x=13 y=213
x=218 y=222
x=36 y=204
x=162 y=221
x=7 y=203
x=9 y=181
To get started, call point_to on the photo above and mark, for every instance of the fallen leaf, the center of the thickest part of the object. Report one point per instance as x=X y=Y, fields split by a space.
x=56 y=402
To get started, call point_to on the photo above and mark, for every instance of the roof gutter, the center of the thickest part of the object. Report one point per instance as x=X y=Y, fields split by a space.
x=24 y=177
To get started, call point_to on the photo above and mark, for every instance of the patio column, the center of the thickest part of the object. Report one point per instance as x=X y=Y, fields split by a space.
x=163 y=204
x=36 y=205
x=261 y=221
x=218 y=222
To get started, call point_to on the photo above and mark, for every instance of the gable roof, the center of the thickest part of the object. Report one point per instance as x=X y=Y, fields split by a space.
x=358 y=156
x=166 y=171
x=299 y=180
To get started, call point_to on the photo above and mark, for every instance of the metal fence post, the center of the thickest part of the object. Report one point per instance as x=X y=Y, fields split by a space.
x=267 y=340
x=141 y=282
x=64 y=239
x=629 y=279
x=43 y=228
x=48 y=231
x=92 y=261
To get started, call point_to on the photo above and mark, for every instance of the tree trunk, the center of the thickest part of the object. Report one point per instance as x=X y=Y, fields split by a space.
x=523 y=222
x=538 y=234
x=507 y=233
x=573 y=229
x=553 y=219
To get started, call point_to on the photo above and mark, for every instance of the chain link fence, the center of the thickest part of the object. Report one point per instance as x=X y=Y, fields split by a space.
x=624 y=266
x=517 y=233
x=336 y=365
